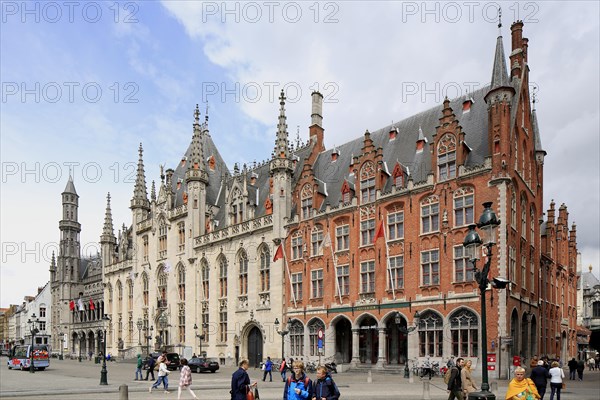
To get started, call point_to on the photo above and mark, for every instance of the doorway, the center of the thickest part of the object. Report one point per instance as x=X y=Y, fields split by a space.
x=255 y=347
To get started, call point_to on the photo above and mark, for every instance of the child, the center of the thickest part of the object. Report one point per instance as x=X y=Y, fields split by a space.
x=185 y=379
x=162 y=377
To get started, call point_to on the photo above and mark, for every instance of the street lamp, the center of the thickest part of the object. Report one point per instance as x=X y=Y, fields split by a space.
x=62 y=344
x=406 y=330
x=200 y=336
x=488 y=224
x=284 y=331
x=33 y=329
x=140 y=325
x=103 y=371
x=81 y=337
x=148 y=337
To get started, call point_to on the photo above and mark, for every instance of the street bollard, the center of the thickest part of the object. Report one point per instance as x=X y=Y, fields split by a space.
x=369 y=377
x=426 y=394
x=123 y=392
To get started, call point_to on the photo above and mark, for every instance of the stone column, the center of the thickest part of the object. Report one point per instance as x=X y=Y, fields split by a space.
x=381 y=349
x=355 y=348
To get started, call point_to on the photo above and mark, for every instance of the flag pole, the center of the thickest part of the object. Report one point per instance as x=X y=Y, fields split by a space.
x=287 y=268
x=387 y=261
x=334 y=259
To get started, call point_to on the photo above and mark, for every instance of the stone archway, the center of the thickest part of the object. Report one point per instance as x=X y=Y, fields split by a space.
x=396 y=341
x=368 y=341
x=343 y=341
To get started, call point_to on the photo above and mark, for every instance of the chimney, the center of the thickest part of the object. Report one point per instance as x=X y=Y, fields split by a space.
x=317 y=109
x=516 y=55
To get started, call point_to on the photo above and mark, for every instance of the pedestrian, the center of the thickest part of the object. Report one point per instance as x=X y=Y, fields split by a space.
x=521 y=388
x=540 y=375
x=591 y=363
x=267 y=369
x=324 y=388
x=283 y=370
x=185 y=379
x=298 y=386
x=163 y=373
x=454 y=383
x=451 y=363
x=240 y=382
x=138 y=368
x=572 y=368
x=150 y=363
x=556 y=380
x=90 y=354
x=580 y=368
x=467 y=382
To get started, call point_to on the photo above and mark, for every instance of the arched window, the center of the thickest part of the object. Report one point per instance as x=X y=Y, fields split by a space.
x=463 y=330
x=162 y=287
x=181 y=282
x=146 y=289
x=162 y=238
x=532 y=226
x=431 y=335
x=446 y=159
x=119 y=296
x=205 y=279
x=129 y=294
x=243 y=273
x=313 y=331
x=265 y=269
x=297 y=339
x=523 y=219
x=306 y=199
x=514 y=328
x=223 y=277
x=513 y=210
x=110 y=298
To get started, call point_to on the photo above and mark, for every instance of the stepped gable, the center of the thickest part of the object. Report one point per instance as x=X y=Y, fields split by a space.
x=402 y=148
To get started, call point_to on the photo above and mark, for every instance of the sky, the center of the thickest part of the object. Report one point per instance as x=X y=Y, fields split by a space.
x=84 y=83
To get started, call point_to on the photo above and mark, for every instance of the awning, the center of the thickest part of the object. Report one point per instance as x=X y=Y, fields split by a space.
x=583 y=340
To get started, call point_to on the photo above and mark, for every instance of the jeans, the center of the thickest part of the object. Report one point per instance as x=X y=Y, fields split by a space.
x=572 y=374
x=164 y=380
x=270 y=375
x=283 y=373
x=555 y=387
x=138 y=372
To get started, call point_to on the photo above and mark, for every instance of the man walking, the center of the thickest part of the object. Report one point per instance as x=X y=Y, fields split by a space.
x=150 y=363
x=268 y=367
x=539 y=376
x=455 y=382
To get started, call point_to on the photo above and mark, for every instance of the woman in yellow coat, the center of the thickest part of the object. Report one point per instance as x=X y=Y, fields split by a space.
x=521 y=388
x=468 y=384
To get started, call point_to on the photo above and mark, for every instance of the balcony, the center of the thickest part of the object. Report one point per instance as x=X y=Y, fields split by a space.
x=161 y=303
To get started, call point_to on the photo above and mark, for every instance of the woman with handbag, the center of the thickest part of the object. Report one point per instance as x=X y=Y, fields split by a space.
x=556 y=380
x=240 y=382
x=521 y=388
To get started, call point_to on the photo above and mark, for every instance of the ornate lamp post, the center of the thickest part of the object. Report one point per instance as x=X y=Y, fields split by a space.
x=103 y=371
x=284 y=331
x=33 y=322
x=61 y=334
x=488 y=224
x=407 y=330
x=140 y=325
x=200 y=336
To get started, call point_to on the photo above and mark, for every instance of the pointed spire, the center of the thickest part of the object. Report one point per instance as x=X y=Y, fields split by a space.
x=70 y=188
x=196 y=153
x=537 y=140
x=53 y=262
x=140 y=193
x=281 y=142
x=421 y=135
x=153 y=191
x=108 y=222
x=499 y=71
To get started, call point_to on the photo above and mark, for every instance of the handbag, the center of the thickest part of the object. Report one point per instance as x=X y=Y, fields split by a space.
x=564 y=385
x=250 y=394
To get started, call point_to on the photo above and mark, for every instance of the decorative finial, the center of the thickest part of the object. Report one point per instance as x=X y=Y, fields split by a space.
x=206 y=115
x=499 y=19
x=197 y=114
x=534 y=91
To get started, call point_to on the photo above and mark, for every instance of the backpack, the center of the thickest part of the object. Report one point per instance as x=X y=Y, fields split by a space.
x=447 y=375
x=289 y=381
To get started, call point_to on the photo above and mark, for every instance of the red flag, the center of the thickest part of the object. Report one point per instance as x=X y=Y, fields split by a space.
x=278 y=253
x=71 y=305
x=92 y=307
x=379 y=232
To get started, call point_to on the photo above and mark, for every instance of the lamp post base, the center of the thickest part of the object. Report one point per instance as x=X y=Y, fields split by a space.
x=104 y=375
x=60 y=357
x=483 y=395
x=406 y=371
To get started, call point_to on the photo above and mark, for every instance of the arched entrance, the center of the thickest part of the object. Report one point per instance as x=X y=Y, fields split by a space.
x=514 y=328
x=91 y=345
x=524 y=350
x=396 y=341
x=343 y=341
x=368 y=341
x=534 y=335
x=255 y=347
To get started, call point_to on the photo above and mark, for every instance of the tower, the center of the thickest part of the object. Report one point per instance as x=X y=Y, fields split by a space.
x=196 y=179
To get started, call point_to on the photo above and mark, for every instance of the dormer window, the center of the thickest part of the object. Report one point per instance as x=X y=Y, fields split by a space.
x=446 y=157
x=306 y=198
x=367 y=183
x=467 y=105
x=393 y=133
x=334 y=155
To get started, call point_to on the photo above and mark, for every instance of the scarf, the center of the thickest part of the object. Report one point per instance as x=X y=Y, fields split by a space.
x=515 y=387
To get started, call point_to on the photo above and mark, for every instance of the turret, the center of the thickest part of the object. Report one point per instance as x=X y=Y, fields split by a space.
x=107 y=239
x=196 y=179
x=140 y=206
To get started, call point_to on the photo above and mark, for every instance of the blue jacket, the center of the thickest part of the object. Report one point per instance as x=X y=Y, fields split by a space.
x=327 y=388
x=291 y=384
x=239 y=384
x=268 y=365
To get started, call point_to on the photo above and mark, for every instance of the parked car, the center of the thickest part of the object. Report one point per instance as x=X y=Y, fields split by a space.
x=198 y=364
x=172 y=360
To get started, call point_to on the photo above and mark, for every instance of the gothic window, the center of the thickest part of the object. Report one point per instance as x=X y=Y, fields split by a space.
x=367 y=232
x=306 y=198
x=313 y=334
x=297 y=339
x=297 y=285
x=237 y=207
x=205 y=279
x=463 y=267
x=145 y=289
x=162 y=287
x=430 y=215
x=42 y=312
x=396 y=272
x=181 y=235
x=343 y=278
x=596 y=309
x=513 y=210
x=181 y=282
x=145 y=248
x=181 y=328
x=297 y=246
x=129 y=294
x=463 y=207
x=243 y=273
x=367 y=277
x=223 y=326
x=430 y=267
x=446 y=158
x=395 y=225
x=119 y=296
x=532 y=227
x=316 y=240
x=523 y=219
x=431 y=335
x=463 y=330
x=110 y=298
x=367 y=183
x=265 y=270
x=162 y=238
x=316 y=281
x=524 y=271
x=223 y=277
x=342 y=237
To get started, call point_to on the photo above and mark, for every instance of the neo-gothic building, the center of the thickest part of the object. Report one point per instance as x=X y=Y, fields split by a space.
x=423 y=180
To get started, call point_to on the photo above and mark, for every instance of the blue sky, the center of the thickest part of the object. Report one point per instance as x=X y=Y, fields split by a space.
x=85 y=88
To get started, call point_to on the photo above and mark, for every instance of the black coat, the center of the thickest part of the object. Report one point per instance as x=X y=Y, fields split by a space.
x=239 y=384
x=327 y=388
x=455 y=382
x=539 y=376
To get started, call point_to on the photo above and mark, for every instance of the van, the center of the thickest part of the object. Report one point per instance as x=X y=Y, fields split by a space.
x=20 y=357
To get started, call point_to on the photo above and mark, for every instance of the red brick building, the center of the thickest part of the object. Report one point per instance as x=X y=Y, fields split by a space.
x=423 y=180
